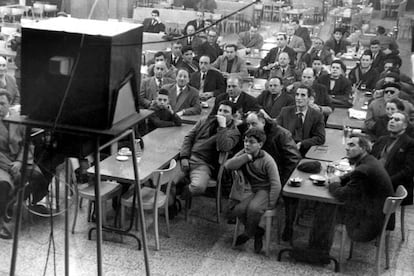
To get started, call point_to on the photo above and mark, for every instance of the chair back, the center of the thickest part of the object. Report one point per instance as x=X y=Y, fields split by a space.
x=163 y=177
x=73 y=165
x=393 y=202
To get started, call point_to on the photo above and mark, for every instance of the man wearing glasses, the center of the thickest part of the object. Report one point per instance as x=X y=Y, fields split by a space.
x=376 y=108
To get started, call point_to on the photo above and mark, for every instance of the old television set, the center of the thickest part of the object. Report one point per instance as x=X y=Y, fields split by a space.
x=77 y=72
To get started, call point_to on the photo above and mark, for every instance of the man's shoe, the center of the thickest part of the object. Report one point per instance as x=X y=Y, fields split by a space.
x=242 y=239
x=258 y=240
x=5 y=233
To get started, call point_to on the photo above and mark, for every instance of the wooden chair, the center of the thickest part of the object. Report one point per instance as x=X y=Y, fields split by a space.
x=268 y=215
x=109 y=190
x=213 y=183
x=390 y=206
x=155 y=198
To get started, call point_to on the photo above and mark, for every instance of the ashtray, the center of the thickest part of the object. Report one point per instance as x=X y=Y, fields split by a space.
x=125 y=152
x=317 y=179
x=295 y=182
x=122 y=158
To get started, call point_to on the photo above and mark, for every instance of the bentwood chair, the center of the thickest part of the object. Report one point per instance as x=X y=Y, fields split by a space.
x=390 y=206
x=217 y=183
x=109 y=190
x=154 y=198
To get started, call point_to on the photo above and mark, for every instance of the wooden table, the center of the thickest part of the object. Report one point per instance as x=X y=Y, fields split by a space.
x=160 y=146
x=332 y=150
x=308 y=190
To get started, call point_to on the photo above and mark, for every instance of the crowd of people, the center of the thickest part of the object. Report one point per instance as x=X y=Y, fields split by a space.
x=267 y=136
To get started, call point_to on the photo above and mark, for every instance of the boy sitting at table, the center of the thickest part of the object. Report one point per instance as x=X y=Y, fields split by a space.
x=164 y=115
x=261 y=172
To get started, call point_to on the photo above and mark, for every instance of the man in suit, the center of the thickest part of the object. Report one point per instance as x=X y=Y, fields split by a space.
x=339 y=87
x=153 y=24
x=387 y=43
x=321 y=100
x=191 y=40
x=160 y=56
x=317 y=50
x=295 y=42
x=230 y=62
x=198 y=23
x=302 y=32
x=363 y=74
x=317 y=67
x=378 y=57
x=396 y=152
x=188 y=63
x=242 y=101
x=208 y=81
x=184 y=99
x=306 y=124
x=150 y=86
x=274 y=98
x=250 y=39
x=363 y=192
x=271 y=59
x=337 y=43
x=210 y=47
x=286 y=73
x=11 y=157
x=176 y=55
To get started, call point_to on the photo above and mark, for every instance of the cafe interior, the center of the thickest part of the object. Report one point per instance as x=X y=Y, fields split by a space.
x=72 y=232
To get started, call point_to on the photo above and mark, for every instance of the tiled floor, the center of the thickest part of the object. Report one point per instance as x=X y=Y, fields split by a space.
x=199 y=247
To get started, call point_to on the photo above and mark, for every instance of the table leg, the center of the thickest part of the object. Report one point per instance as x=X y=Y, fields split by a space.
x=20 y=198
x=67 y=183
x=98 y=208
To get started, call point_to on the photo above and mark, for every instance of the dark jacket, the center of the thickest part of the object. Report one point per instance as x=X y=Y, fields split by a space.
x=340 y=47
x=273 y=107
x=273 y=55
x=313 y=126
x=214 y=82
x=206 y=139
x=399 y=162
x=244 y=103
x=363 y=191
x=213 y=51
x=378 y=62
x=370 y=78
x=325 y=56
x=191 y=69
x=150 y=28
x=303 y=32
x=341 y=92
x=162 y=118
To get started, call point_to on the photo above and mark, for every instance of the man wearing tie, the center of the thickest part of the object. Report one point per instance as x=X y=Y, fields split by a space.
x=153 y=24
x=378 y=57
x=242 y=101
x=308 y=127
x=198 y=23
x=176 y=55
x=295 y=42
x=150 y=86
x=317 y=50
x=250 y=39
x=208 y=81
x=288 y=74
x=184 y=98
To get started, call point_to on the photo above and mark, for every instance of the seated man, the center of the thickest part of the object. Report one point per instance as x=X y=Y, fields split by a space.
x=302 y=32
x=164 y=115
x=8 y=82
x=175 y=56
x=363 y=192
x=274 y=98
x=150 y=86
x=242 y=101
x=364 y=76
x=171 y=71
x=387 y=43
x=11 y=157
x=318 y=68
x=338 y=86
x=208 y=81
x=282 y=70
x=306 y=124
x=200 y=149
x=317 y=50
x=378 y=57
x=337 y=43
x=230 y=62
x=321 y=100
x=184 y=99
x=198 y=23
x=250 y=39
x=187 y=61
x=295 y=42
x=210 y=47
x=153 y=24
x=396 y=152
x=376 y=108
x=191 y=40
x=261 y=172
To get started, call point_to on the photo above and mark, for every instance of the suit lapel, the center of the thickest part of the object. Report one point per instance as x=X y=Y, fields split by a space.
x=397 y=146
x=181 y=99
x=307 y=123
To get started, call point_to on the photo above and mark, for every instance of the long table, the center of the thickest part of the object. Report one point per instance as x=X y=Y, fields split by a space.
x=160 y=146
x=332 y=150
